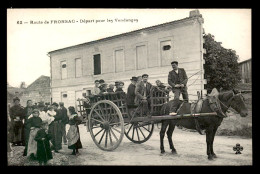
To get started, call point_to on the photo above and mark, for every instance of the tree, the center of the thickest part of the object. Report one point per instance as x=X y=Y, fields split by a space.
x=221 y=65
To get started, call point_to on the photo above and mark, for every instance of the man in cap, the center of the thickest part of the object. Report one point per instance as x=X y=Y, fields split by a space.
x=17 y=115
x=142 y=94
x=116 y=84
x=130 y=97
x=111 y=88
x=102 y=86
x=120 y=87
x=64 y=121
x=55 y=129
x=178 y=79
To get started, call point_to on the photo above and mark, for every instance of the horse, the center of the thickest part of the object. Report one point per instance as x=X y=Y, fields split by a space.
x=210 y=124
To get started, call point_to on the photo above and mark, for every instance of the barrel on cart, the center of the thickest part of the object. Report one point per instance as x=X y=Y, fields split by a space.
x=109 y=118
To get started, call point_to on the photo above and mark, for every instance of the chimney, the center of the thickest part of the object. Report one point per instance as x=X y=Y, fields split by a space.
x=194 y=13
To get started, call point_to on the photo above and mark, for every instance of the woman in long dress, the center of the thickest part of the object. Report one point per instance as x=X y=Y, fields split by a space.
x=73 y=135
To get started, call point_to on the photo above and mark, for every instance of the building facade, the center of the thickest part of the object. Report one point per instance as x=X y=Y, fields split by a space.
x=245 y=71
x=149 y=50
x=37 y=91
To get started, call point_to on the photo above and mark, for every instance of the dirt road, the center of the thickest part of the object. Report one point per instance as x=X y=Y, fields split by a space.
x=191 y=148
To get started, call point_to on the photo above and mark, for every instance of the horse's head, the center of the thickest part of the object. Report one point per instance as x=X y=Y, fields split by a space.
x=235 y=100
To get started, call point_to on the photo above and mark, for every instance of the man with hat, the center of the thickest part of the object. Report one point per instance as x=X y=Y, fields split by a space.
x=17 y=116
x=178 y=79
x=142 y=94
x=120 y=87
x=96 y=89
x=102 y=86
x=116 y=84
x=55 y=129
x=130 y=97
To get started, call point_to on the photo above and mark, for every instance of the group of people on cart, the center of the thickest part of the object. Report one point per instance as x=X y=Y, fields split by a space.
x=138 y=92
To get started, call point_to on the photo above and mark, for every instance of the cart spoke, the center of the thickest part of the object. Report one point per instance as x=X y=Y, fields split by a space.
x=98 y=132
x=133 y=133
x=96 y=120
x=137 y=134
x=106 y=139
x=101 y=137
x=99 y=115
x=102 y=112
x=114 y=134
x=129 y=129
x=142 y=132
x=109 y=134
x=114 y=124
x=116 y=130
x=146 y=129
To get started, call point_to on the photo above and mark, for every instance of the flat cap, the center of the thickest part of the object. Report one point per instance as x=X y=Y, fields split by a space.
x=145 y=75
x=174 y=62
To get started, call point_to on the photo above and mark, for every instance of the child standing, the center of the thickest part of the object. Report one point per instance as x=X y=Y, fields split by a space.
x=33 y=124
x=73 y=136
x=43 y=145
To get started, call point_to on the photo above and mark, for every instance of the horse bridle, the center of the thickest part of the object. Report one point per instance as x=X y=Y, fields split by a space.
x=229 y=101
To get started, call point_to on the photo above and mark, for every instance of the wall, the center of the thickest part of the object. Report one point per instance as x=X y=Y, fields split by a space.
x=186 y=46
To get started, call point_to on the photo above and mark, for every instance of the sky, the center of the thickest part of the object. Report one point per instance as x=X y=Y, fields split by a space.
x=28 y=44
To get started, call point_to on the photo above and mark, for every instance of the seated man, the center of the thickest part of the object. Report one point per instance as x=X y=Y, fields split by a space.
x=110 y=88
x=102 y=86
x=142 y=92
x=120 y=87
x=96 y=89
x=131 y=92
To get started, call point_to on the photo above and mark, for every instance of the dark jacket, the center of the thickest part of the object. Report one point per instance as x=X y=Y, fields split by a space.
x=139 y=91
x=43 y=146
x=64 y=116
x=130 y=97
x=110 y=90
x=119 y=90
x=180 y=78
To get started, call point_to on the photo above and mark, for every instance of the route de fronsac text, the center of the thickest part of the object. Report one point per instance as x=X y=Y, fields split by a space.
x=85 y=21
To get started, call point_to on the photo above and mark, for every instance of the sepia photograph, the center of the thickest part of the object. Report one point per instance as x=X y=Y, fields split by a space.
x=129 y=87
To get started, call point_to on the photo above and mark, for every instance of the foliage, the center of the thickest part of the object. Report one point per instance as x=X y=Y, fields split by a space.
x=221 y=65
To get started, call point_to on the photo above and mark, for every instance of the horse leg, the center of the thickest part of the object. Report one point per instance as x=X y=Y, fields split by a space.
x=162 y=133
x=169 y=136
x=209 y=133
x=213 y=136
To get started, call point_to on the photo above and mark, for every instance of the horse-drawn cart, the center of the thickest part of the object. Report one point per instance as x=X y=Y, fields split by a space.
x=109 y=118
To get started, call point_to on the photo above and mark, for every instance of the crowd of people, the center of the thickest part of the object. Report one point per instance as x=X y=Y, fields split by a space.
x=41 y=128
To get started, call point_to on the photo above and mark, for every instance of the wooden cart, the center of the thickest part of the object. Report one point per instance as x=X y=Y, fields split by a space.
x=109 y=118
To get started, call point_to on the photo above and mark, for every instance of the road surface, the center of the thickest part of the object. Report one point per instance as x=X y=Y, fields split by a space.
x=190 y=146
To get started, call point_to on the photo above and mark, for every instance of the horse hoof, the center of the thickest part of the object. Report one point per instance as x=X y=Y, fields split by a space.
x=174 y=152
x=210 y=158
x=214 y=156
x=162 y=151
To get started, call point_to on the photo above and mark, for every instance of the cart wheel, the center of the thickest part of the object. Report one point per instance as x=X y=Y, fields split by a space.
x=106 y=125
x=138 y=134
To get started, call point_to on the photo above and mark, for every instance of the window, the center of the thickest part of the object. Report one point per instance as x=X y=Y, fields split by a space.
x=63 y=70
x=166 y=52
x=78 y=67
x=141 y=56
x=119 y=58
x=97 y=64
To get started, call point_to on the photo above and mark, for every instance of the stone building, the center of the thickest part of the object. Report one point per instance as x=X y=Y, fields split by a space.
x=148 y=50
x=245 y=71
x=37 y=91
